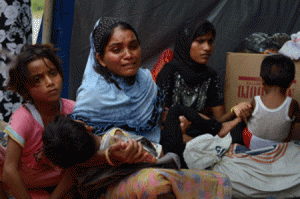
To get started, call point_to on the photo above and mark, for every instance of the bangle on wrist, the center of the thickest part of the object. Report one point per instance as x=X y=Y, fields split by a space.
x=108 y=159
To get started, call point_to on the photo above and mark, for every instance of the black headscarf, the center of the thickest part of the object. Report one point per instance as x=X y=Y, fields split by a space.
x=192 y=72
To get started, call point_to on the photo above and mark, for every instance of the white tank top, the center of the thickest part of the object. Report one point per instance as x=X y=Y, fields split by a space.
x=270 y=124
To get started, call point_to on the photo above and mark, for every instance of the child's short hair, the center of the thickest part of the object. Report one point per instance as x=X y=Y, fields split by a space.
x=278 y=70
x=67 y=142
x=19 y=76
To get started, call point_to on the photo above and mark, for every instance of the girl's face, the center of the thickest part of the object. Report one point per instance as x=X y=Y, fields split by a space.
x=47 y=82
x=202 y=48
x=122 y=55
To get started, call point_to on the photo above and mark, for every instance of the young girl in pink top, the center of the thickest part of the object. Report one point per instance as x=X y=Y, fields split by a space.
x=37 y=76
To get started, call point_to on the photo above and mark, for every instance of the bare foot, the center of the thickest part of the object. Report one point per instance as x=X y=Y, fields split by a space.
x=228 y=126
x=186 y=138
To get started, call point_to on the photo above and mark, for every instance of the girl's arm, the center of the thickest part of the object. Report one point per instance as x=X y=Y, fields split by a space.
x=220 y=114
x=67 y=182
x=242 y=110
x=11 y=174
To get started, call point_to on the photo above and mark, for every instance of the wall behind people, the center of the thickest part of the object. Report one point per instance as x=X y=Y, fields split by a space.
x=239 y=19
x=157 y=22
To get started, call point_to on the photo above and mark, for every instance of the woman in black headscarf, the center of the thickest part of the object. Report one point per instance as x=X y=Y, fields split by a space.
x=188 y=82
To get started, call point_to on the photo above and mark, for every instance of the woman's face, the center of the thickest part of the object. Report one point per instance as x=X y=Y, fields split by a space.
x=122 y=55
x=202 y=48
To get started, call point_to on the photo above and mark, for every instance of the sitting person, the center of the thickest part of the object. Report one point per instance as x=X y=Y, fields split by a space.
x=274 y=113
x=116 y=92
x=37 y=76
x=189 y=82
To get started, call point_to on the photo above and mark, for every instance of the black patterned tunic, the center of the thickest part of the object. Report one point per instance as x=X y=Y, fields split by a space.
x=206 y=94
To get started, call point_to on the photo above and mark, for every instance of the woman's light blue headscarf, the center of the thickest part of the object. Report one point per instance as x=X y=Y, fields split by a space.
x=135 y=108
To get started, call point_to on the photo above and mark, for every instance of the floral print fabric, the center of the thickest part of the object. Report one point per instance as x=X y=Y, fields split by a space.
x=15 y=30
x=184 y=183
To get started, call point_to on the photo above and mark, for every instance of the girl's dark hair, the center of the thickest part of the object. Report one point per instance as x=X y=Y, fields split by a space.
x=67 y=142
x=205 y=28
x=278 y=70
x=101 y=38
x=19 y=76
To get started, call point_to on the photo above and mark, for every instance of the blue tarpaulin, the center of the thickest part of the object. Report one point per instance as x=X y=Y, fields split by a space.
x=63 y=12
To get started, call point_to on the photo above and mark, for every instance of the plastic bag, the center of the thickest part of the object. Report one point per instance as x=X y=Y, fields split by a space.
x=205 y=150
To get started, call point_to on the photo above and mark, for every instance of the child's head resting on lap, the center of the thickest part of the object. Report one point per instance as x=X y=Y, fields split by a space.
x=277 y=70
x=67 y=142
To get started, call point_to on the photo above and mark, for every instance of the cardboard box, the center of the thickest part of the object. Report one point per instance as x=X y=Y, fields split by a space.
x=242 y=80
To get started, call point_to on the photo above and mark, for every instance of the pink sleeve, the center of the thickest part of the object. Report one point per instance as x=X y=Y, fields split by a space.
x=21 y=123
x=68 y=106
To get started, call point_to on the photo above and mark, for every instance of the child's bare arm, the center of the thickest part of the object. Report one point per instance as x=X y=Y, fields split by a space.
x=67 y=182
x=243 y=110
x=11 y=174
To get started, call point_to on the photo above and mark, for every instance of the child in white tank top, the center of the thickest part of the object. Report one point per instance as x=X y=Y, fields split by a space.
x=274 y=114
